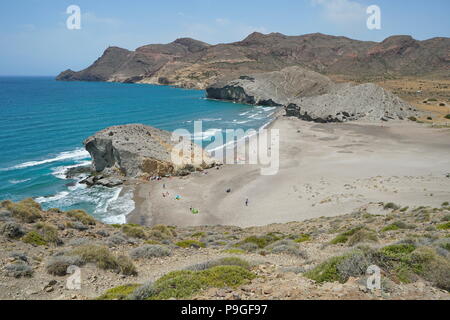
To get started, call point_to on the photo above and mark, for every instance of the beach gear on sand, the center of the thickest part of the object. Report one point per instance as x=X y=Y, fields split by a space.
x=195 y=211
x=178 y=198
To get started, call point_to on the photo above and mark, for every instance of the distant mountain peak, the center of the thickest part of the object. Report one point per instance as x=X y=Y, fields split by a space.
x=191 y=63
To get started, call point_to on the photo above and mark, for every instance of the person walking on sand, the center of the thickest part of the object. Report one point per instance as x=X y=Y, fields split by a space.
x=246 y=202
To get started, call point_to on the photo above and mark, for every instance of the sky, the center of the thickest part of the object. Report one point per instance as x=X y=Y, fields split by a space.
x=35 y=40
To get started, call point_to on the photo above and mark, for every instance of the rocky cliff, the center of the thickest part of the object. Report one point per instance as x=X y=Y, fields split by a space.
x=272 y=88
x=311 y=96
x=194 y=64
x=141 y=151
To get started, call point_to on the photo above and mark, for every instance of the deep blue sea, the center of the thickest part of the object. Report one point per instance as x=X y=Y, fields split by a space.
x=43 y=123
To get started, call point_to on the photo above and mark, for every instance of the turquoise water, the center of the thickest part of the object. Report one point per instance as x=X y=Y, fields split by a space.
x=43 y=123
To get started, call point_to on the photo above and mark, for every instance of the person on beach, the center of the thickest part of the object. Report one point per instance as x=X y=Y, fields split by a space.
x=246 y=202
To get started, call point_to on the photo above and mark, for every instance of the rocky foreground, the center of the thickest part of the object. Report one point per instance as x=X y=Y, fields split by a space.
x=311 y=96
x=323 y=258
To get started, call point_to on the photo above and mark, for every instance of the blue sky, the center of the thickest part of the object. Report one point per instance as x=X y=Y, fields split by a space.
x=34 y=39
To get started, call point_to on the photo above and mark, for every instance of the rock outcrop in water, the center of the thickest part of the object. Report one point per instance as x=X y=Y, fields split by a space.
x=313 y=97
x=139 y=151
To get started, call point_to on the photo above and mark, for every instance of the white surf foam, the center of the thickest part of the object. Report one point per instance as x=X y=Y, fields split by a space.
x=18 y=181
x=60 y=172
x=69 y=155
x=59 y=196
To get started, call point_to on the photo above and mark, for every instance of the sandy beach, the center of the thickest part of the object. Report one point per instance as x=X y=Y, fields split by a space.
x=325 y=170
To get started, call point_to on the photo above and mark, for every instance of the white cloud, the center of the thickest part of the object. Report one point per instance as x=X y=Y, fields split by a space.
x=342 y=11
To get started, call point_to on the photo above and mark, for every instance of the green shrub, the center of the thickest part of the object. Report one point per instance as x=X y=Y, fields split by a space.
x=133 y=231
x=34 y=238
x=99 y=255
x=198 y=235
x=397 y=225
x=431 y=267
x=231 y=261
x=326 y=271
x=447 y=116
x=162 y=232
x=391 y=227
x=343 y=237
x=119 y=293
x=414 y=119
x=399 y=252
x=126 y=266
x=191 y=244
x=362 y=235
x=446 y=204
x=302 y=238
x=82 y=216
x=26 y=210
x=49 y=232
x=261 y=241
x=184 y=284
x=403 y=261
x=444 y=226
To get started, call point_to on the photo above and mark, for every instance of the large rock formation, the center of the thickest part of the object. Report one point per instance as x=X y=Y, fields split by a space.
x=141 y=151
x=194 y=64
x=367 y=101
x=313 y=97
x=272 y=88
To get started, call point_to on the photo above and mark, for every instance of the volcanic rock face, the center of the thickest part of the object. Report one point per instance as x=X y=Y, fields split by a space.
x=367 y=101
x=273 y=88
x=313 y=97
x=194 y=64
x=141 y=151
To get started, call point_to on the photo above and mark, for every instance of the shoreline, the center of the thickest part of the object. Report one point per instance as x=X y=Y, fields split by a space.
x=140 y=189
x=326 y=170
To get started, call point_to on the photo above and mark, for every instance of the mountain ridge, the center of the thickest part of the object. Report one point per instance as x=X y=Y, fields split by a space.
x=190 y=63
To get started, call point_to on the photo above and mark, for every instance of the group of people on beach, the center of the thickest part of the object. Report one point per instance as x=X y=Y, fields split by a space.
x=192 y=210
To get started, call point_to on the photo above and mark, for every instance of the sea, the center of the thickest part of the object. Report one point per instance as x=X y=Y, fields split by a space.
x=43 y=123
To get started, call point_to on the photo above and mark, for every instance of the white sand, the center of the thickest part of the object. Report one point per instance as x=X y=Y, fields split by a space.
x=326 y=170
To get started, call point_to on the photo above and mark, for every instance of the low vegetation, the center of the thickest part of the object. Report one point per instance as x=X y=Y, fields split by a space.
x=343 y=237
x=149 y=251
x=28 y=210
x=81 y=216
x=191 y=244
x=104 y=259
x=404 y=262
x=119 y=293
x=184 y=284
